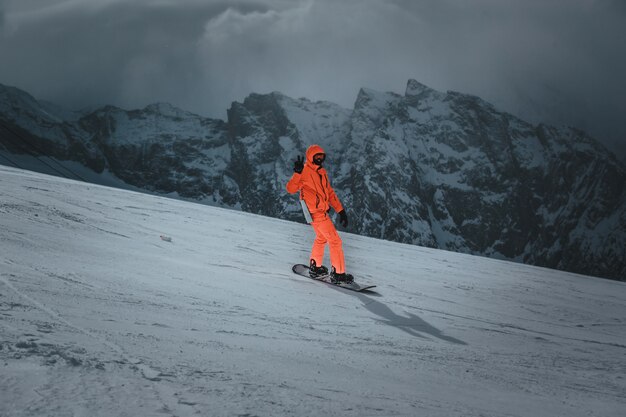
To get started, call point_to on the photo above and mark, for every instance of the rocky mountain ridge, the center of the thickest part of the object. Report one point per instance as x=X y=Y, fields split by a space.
x=443 y=170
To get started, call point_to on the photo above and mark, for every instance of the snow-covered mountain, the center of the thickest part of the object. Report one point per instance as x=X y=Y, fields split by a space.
x=444 y=170
x=101 y=317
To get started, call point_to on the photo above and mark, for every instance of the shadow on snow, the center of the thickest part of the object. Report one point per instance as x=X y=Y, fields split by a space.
x=413 y=325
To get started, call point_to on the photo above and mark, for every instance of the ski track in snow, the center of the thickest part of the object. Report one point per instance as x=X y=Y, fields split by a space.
x=99 y=316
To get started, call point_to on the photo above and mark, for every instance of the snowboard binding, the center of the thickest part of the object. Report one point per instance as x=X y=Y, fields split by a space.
x=344 y=278
x=317 y=271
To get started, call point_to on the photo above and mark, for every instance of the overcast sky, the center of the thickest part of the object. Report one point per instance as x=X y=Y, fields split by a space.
x=559 y=61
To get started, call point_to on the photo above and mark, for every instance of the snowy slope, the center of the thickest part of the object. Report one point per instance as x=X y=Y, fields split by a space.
x=99 y=316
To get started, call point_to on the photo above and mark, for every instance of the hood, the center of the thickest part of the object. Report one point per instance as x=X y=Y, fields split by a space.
x=313 y=149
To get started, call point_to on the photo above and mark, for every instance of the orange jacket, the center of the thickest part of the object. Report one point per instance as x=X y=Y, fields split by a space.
x=314 y=186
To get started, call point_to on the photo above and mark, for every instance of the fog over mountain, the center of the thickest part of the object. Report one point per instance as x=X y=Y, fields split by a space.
x=558 y=62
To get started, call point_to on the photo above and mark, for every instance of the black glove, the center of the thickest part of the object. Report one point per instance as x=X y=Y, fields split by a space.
x=298 y=165
x=343 y=218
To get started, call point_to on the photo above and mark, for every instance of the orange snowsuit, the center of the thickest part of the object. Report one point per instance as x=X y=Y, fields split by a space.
x=319 y=196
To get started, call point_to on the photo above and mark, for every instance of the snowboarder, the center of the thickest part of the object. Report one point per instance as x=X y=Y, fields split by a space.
x=317 y=197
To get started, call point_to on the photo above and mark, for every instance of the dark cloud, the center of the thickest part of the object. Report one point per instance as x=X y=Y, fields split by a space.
x=127 y=53
x=1 y=15
x=558 y=61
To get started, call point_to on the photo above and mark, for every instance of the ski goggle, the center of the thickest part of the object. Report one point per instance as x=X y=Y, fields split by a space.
x=318 y=158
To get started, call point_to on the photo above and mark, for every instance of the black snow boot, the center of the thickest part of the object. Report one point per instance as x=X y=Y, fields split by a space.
x=317 y=271
x=336 y=278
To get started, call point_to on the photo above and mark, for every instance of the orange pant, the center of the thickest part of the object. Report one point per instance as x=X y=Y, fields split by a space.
x=325 y=232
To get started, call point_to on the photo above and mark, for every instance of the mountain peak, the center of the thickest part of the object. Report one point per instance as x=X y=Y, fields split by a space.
x=165 y=109
x=17 y=96
x=414 y=88
x=373 y=98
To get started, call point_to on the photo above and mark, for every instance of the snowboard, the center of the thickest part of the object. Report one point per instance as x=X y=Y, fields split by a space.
x=303 y=270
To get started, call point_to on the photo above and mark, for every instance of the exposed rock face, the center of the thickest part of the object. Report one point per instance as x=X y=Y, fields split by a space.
x=450 y=171
x=444 y=170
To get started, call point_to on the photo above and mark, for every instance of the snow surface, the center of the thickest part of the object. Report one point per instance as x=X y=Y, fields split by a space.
x=100 y=316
